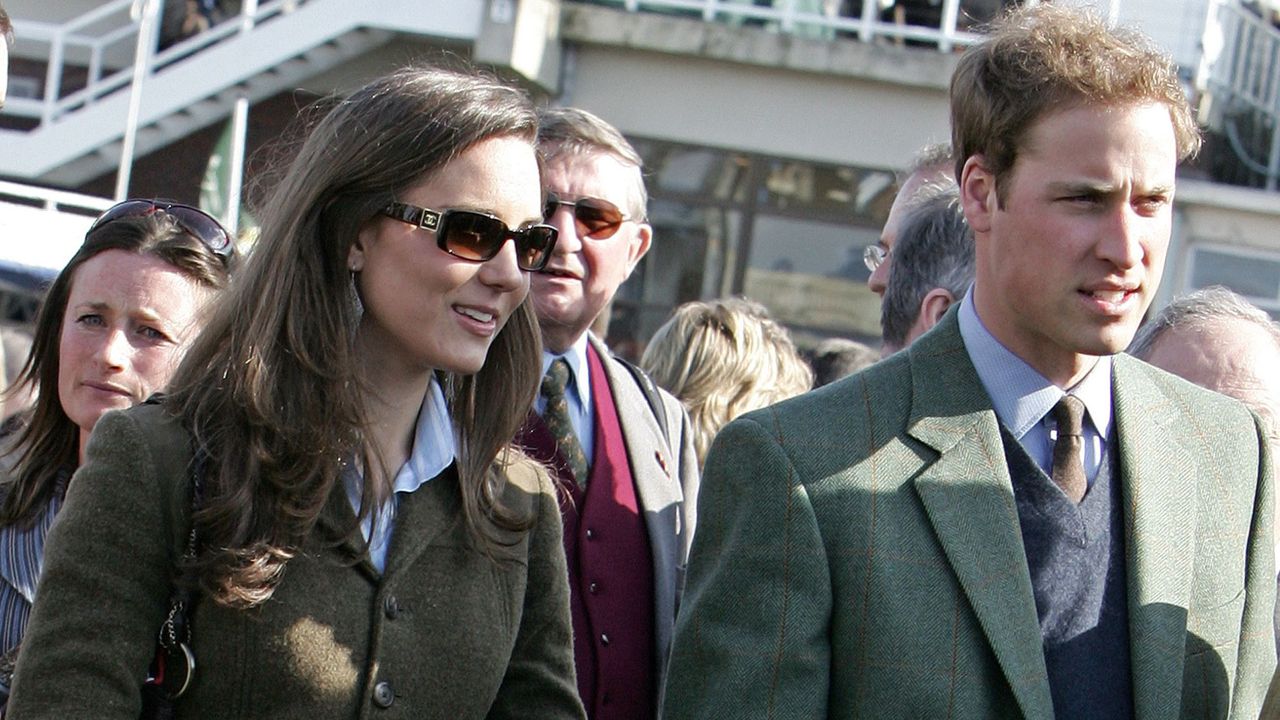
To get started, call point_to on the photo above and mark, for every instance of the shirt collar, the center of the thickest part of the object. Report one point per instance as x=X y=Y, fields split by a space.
x=576 y=356
x=1020 y=395
x=434 y=447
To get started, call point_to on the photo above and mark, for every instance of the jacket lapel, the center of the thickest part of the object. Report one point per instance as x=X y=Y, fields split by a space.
x=421 y=517
x=1158 y=480
x=338 y=520
x=968 y=497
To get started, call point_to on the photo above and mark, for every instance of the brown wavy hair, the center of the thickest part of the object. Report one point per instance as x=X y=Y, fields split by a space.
x=1047 y=57
x=273 y=389
x=48 y=442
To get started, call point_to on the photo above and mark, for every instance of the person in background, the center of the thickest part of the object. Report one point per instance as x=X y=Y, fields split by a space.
x=835 y=358
x=932 y=270
x=337 y=441
x=1010 y=518
x=1218 y=340
x=621 y=448
x=109 y=334
x=722 y=358
x=932 y=165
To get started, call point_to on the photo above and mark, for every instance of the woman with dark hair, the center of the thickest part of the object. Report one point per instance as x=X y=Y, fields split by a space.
x=364 y=536
x=110 y=333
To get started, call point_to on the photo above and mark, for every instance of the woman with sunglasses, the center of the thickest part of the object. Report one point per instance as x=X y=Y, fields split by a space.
x=110 y=333
x=365 y=538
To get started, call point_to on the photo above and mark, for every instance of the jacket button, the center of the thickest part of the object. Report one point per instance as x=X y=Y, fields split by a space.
x=390 y=607
x=604 y=639
x=593 y=588
x=590 y=533
x=383 y=695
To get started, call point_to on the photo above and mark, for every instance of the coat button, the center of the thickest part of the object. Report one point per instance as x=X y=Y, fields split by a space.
x=590 y=533
x=593 y=588
x=604 y=639
x=390 y=607
x=383 y=695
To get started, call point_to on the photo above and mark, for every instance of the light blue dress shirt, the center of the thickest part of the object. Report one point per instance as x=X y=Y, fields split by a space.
x=434 y=449
x=578 y=395
x=1022 y=397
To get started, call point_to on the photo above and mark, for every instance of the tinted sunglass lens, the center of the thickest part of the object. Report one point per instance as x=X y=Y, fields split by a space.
x=128 y=208
x=471 y=236
x=597 y=219
x=205 y=228
x=534 y=246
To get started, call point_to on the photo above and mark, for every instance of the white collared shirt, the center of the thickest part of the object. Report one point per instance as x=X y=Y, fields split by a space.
x=434 y=449
x=578 y=394
x=1023 y=398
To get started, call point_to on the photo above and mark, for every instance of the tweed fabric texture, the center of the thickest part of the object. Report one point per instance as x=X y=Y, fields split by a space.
x=446 y=632
x=858 y=554
x=556 y=417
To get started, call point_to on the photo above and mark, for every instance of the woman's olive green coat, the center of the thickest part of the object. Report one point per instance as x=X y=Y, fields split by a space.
x=446 y=632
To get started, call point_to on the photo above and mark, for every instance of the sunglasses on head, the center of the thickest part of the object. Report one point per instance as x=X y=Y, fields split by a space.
x=478 y=236
x=592 y=217
x=194 y=221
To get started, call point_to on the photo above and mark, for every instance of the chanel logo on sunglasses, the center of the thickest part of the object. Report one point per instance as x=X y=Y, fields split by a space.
x=476 y=236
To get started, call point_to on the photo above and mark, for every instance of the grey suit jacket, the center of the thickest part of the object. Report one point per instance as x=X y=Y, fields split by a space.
x=859 y=554
x=666 y=478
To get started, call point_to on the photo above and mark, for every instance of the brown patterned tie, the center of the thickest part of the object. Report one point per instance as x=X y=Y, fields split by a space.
x=1068 y=450
x=556 y=417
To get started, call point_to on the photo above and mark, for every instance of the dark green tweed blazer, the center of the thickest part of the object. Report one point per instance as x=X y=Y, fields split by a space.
x=858 y=554
x=452 y=633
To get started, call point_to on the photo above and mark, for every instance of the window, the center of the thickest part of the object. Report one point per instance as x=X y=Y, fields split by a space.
x=1255 y=274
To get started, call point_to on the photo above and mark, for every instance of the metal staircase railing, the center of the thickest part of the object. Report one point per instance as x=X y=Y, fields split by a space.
x=1239 y=82
x=263 y=50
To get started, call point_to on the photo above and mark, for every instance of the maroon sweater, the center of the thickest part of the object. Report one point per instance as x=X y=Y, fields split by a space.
x=610 y=565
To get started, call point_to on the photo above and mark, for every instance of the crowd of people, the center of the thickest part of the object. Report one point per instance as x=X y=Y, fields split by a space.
x=382 y=463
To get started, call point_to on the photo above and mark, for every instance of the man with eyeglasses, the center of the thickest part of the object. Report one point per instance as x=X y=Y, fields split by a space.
x=933 y=269
x=933 y=165
x=1011 y=518
x=621 y=449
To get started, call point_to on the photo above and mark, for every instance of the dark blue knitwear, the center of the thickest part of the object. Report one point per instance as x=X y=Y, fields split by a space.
x=1077 y=562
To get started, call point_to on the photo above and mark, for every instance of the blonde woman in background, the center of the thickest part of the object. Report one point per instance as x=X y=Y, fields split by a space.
x=723 y=358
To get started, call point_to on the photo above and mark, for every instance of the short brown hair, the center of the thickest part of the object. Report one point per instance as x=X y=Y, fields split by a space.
x=1046 y=57
x=569 y=131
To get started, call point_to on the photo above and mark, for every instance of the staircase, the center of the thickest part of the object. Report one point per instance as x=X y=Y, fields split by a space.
x=265 y=50
x=1239 y=85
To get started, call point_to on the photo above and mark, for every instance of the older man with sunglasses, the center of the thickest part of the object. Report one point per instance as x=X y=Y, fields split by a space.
x=621 y=448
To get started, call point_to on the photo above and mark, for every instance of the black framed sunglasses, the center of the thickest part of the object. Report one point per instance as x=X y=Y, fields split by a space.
x=592 y=217
x=195 y=221
x=478 y=236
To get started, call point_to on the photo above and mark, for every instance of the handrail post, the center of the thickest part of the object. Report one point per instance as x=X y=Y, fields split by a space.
x=950 y=15
x=248 y=15
x=150 y=12
x=870 y=17
x=53 y=76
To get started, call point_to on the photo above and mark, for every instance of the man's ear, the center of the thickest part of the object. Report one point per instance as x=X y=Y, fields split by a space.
x=934 y=306
x=639 y=245
x=978 y=193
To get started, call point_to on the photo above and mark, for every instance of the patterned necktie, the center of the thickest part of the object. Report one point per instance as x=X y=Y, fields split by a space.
x=556 y=417
x=1068 y=450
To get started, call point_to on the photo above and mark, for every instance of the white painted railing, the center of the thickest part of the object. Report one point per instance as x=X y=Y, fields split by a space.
x=1240 y=71
x=102 y=43
x=824 y=18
